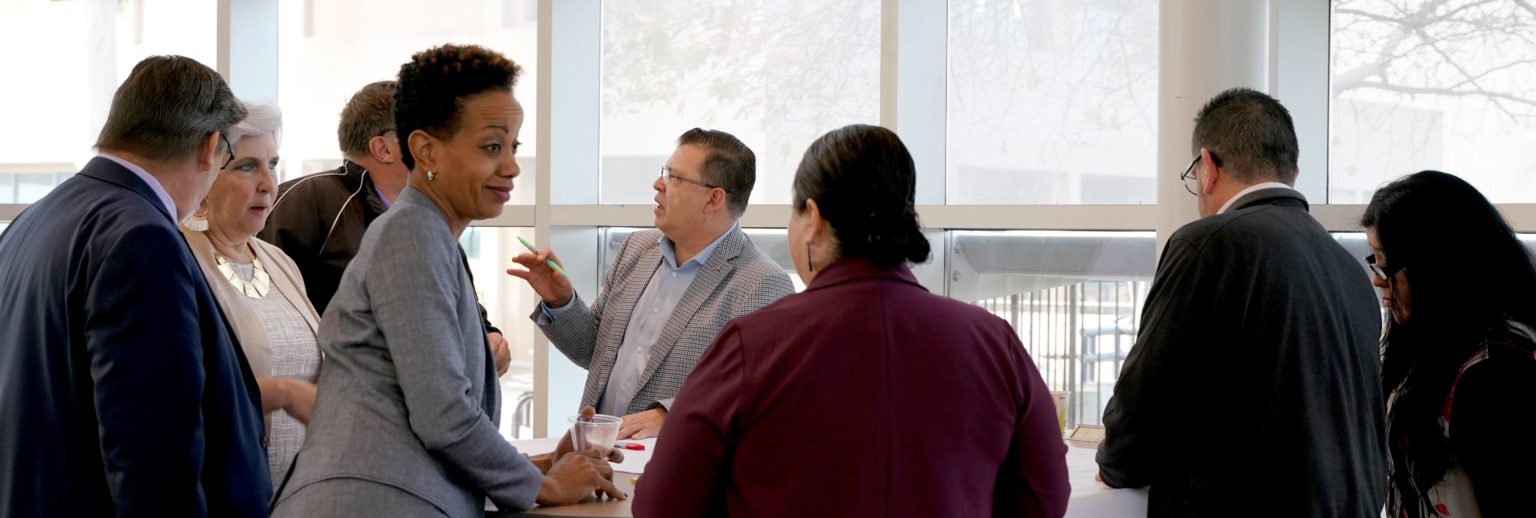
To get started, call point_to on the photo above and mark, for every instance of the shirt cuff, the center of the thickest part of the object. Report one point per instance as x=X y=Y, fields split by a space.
x=552 y=312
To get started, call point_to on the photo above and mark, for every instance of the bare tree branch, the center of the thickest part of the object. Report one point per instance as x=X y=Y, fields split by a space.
x=1441 y=91
x=1447 y=37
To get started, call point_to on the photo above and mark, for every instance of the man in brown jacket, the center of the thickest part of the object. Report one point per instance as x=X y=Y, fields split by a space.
x=319 y=219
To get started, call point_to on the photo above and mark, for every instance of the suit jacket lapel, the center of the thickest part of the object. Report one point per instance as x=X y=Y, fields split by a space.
x=252 y=390
x=629 y=291
x=711 y=274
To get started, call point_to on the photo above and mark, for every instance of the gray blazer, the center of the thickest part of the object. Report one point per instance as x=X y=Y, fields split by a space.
x=736 y=280
x=407 y=397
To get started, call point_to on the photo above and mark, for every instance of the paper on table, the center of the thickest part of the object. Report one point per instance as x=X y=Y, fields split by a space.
x=634 y=461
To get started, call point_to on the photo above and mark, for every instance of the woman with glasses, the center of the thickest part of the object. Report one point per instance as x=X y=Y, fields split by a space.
x=257 y=285
x=1459 y=353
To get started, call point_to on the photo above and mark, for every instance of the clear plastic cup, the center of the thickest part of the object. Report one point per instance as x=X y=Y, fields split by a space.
x=599 y=432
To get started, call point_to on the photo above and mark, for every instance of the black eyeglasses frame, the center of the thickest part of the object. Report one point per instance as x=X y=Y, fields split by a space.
x=228 y=148
x=667 y=176
x=1189 y=172
x=1382 y=271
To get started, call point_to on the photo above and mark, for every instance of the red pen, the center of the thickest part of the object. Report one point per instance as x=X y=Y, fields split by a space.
x=633 y=446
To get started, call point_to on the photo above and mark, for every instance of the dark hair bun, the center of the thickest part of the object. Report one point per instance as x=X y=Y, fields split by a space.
x=863 y=181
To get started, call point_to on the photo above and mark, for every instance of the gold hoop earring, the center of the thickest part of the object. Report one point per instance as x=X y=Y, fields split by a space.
x=197 y=222
x=431 y=176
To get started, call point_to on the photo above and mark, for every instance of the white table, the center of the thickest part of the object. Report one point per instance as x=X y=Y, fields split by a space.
x=1093 y=499
x=1090 y=498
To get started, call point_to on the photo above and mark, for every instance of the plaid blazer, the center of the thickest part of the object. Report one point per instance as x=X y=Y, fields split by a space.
x=736 y=280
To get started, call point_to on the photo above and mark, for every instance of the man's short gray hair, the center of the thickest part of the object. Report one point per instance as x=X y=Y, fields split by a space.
x=167 y=108
x=262 y=117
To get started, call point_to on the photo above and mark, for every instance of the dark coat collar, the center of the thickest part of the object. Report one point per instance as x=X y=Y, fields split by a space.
x=1275 y=196
x=852 y=269
x=114 y=173
x=359 y=177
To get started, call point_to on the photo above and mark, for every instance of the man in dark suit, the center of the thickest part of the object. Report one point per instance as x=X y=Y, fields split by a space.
x=1259 y=319
x=123 y=391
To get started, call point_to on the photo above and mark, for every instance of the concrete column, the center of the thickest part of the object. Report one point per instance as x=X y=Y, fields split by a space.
x=101 y=65
x=247 y=47
x=566 y=164
x=1204 y=47
x=1298 y=77
x=913 y=94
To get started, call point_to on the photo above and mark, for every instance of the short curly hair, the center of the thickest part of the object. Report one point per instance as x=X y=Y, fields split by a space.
x=434 y=84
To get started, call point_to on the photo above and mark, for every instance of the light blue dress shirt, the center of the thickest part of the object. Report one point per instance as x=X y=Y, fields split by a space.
x=154 y=185
x=650 y=316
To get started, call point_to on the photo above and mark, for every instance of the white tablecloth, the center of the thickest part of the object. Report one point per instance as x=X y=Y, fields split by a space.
x=1090 y=498
x=1093 y=499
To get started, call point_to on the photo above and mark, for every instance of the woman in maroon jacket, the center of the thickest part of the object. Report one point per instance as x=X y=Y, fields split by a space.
x=865 y=395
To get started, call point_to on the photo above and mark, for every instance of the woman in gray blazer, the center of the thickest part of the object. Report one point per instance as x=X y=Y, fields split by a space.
x=404 y=421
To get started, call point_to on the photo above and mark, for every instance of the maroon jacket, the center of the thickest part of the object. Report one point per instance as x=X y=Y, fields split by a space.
x=863 y=396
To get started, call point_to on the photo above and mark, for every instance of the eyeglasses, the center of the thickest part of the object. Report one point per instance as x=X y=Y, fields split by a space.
x=229 y=149
x=667 y=177
x=1190 y=182
x=1382 y=271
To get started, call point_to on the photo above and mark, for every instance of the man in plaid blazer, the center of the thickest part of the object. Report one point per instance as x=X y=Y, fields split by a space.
x=669 y=292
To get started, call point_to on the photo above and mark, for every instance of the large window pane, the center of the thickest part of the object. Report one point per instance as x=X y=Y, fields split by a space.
x=328 y=50
x=1074 y=298
x=68 y=58
x=508 y=301
x=1052 y=102
x=775 y=73
x=1446 y=85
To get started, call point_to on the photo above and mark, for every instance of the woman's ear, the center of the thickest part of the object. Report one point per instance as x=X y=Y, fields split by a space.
x=422 y=145
x=814 y=223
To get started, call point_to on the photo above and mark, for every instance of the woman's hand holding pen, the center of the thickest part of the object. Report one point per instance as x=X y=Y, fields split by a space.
x=551 y=285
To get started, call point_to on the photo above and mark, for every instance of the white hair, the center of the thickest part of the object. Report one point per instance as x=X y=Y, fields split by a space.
x=262 y=117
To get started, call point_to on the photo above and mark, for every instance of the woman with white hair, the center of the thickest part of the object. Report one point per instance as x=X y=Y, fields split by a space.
x=258 y=286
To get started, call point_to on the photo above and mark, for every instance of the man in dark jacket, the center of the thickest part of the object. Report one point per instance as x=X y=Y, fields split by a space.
x=1258 y=318
x=319 y=220
x=122 y=390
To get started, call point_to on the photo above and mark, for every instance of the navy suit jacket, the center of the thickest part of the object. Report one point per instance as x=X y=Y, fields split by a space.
x=122 y=391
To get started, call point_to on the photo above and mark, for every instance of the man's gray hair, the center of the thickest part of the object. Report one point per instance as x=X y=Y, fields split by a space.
x=167 y=108
x=262 y=117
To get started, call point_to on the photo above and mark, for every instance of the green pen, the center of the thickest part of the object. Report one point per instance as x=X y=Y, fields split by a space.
x=551 y=263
